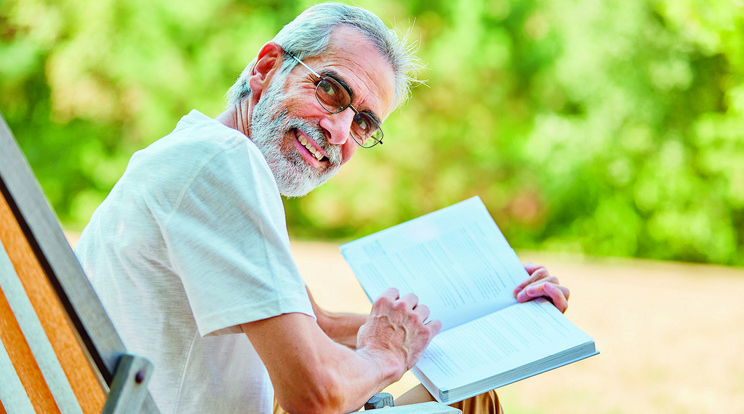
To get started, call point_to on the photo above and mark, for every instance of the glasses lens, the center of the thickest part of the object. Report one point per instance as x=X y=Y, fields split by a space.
x=366 y=131
x=331 y=95
x=335 y=98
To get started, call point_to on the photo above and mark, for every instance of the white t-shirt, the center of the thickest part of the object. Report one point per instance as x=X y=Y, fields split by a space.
x=189 y=244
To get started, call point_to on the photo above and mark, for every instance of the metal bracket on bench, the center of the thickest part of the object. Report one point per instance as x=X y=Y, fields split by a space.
x=380 y=400
x=420 y=408
x=383 y=403
x=129 y=386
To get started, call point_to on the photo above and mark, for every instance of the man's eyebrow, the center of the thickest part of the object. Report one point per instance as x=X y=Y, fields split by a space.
x=333 y=74
x=373 y=116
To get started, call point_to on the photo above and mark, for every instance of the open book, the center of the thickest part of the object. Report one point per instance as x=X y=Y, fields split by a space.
x=460 y=265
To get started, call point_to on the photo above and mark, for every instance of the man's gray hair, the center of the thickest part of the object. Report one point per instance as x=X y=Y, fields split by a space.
x=309 y=33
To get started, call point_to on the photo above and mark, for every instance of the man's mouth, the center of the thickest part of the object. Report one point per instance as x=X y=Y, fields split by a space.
x=310 y=147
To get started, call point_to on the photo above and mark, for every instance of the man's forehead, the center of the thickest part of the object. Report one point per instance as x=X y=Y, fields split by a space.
x=353 y=59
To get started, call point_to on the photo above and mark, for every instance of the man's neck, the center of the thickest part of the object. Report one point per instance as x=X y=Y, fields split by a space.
x=236 y=117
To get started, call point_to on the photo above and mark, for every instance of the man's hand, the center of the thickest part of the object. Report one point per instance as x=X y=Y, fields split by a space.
x=396 y=330
x=542 y=284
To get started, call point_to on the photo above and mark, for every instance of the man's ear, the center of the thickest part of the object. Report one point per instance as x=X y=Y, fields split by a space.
x=268 y=63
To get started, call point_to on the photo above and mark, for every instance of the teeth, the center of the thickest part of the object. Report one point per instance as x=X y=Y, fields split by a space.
x=310 y=147
x=317 y=155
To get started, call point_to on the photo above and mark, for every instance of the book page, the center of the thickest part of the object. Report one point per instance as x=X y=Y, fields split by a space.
x=456 y=260
x=499 y=343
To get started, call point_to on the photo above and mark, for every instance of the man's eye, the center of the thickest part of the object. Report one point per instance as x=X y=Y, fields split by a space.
x=362 y=122
x=327 y=88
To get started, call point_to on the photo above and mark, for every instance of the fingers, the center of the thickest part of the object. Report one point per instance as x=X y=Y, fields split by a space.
x=542 y=284
x=434 y=327
x=558 y=295
x=531 y=268
x=551 y=290
x=406 y=305
x=410 y=299
x=398 y=325
x=390 y=294
x=536 y=273
x=391 y=298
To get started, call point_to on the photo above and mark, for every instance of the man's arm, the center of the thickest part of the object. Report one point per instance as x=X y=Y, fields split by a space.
x=312 y=373
x=339 y=326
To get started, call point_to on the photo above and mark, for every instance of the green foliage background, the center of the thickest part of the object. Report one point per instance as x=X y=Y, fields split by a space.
x=606 y=127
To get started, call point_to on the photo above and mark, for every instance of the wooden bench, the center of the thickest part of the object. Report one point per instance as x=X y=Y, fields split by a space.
x=59 y=352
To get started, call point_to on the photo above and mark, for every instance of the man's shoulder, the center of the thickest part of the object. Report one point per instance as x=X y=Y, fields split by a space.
x=202 y=134
x=196 y=140
x=199 y=150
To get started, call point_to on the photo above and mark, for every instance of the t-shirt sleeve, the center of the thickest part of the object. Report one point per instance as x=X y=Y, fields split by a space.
x=227 y=240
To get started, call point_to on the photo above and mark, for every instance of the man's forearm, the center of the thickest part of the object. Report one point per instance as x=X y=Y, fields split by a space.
x=342 y=327
x=308 y=365
x=311 y=373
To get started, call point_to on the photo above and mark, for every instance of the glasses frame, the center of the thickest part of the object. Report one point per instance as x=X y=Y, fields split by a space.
x=321 y=78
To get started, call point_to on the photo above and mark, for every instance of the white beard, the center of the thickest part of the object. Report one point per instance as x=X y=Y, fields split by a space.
x=270 y=125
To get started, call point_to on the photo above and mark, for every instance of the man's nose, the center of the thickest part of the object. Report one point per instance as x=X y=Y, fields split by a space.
x=338 y=126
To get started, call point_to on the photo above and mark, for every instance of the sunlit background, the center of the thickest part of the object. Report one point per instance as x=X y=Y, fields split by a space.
x=590 y=129
x=604 y=127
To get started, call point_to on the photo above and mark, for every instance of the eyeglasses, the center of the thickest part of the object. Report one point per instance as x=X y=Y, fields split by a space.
x=335 y=98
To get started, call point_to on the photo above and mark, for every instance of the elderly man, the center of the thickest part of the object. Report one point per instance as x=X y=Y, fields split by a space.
x=190 y=254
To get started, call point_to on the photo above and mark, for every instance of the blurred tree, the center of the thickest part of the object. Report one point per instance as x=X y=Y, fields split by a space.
x=606 y=127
